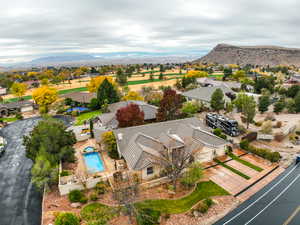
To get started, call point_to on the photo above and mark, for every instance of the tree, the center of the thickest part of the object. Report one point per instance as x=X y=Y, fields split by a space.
x=247 y=105
x=217 y=100
x=292 y=91
x=290 y=105
x=108 y=92
x=169 y=106
x=43 y=173
x=193 y=174
x=297 y=102
x=227 y=72
x=154 y=98
x=51 y=139
x=187 y=81
x=111 y=144
x=196 y=74
x=44 y=97
x=263 y=103
x=279 y=106
x=95 y=82
x=174 y=161
x=161 y=76
x=130 y=115
x=264 y=82
x=238 y=75
x=18 y=89
x=132 y=95
x=191 y=107
x=121 y=77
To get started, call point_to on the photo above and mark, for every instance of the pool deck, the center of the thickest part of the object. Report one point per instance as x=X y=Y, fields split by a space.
x=81 y=170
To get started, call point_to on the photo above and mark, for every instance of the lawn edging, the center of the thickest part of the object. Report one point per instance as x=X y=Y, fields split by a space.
x=232 y=169
x=244 y=162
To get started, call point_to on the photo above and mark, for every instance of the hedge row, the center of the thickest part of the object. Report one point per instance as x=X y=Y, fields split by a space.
x=264 y=153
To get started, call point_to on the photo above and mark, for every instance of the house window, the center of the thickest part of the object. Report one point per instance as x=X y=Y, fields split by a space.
x=149 y=170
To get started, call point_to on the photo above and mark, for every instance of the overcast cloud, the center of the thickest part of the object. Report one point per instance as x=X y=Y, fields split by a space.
x=34 y=28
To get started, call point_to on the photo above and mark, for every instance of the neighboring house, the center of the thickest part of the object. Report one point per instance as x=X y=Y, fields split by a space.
x=109 y=120
x=204 y=94
x=295 y=79
x=13 y=107
x=80 y=97
x=204 y=82
x=32 y=83
x=137 y=145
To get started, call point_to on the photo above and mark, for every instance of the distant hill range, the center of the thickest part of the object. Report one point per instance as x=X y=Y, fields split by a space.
x=255 y=55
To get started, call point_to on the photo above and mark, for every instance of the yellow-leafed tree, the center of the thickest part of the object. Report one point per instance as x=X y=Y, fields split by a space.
x=97 y=81
x=44 y=97
x=196 y=74
x=18 y=89
x=133 y=95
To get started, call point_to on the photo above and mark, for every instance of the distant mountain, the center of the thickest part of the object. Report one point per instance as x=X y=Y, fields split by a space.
x=255 y=55
x=63 y=58
x=80 y=59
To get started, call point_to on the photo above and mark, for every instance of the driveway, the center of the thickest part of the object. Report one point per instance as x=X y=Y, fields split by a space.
x=20 y=203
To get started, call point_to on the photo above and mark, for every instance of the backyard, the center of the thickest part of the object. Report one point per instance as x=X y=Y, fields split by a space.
x=86 y=116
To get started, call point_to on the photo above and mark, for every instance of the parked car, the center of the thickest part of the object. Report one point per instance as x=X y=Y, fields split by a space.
x=297 y=159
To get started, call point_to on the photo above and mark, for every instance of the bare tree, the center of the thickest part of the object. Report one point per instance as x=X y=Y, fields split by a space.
x=174 y=161
x=126 y=192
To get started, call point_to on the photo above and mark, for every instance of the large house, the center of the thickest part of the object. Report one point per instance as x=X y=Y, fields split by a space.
x=14 y=107
x=109 y=120
x=137 y=145
x=204 y=94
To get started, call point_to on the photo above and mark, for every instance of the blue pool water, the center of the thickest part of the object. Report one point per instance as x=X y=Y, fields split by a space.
x=89 y=149
x=93 y=162
x=80 y=109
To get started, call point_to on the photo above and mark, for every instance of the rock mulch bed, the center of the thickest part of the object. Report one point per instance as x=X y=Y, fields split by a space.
x=223 y=205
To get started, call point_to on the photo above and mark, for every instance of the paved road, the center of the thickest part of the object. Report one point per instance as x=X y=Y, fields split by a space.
x=20 y=203
x=276 y=204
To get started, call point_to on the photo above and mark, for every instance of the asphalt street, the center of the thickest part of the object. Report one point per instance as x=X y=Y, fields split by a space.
x=276 y=204
x=20 y=203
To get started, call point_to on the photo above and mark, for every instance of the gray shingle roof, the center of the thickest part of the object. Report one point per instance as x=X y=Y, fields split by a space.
x=136 y=144
x=83 y=97
x=109 y=119
x=19 y=104
x=205 y=93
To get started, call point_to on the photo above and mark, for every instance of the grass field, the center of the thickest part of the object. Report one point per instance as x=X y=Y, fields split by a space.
x=203 y=190
x=9 y=119
x=86 y=116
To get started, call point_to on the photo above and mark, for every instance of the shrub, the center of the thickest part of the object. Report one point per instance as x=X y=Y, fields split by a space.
x=193 y=174
x=203 y=208
x=19 y=116
x=111 y=144
x=264 y=153
x=297 y=132
x=258 y=123
x=217 y=131
x=64 y=173
x=278 y=124
x=209 y=202
x=94 y=197
x=75 y=196
x=67 y=219
x=148 y=217
x=101 y=187
x=83 y=200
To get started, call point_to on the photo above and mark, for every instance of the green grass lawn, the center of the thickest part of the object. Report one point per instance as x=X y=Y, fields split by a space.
x=232 y=169
x=246 y=163
x=86 y=116
x=97 y=213
x=8 y=119
x=203 y=190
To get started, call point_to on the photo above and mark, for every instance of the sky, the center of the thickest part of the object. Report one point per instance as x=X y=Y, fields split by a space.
x=36 y=28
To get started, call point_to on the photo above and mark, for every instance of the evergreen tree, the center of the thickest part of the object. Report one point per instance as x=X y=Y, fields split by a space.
x=217 y=100
x=297 y=102
x=264 y=102
x=107 y=91
x=121 y=77
x=279 y=106
x=161 y=76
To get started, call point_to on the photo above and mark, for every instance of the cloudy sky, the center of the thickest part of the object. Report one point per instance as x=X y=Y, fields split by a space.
x=35 y=28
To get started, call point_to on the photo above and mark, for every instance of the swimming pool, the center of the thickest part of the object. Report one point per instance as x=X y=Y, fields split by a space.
x=89 y=149
x=93 y=162
x=79 y=109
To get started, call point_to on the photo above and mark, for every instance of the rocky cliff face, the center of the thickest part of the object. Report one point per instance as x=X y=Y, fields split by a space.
x=255 y=55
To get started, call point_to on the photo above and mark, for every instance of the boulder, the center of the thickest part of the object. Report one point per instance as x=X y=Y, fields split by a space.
x=76 y=205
